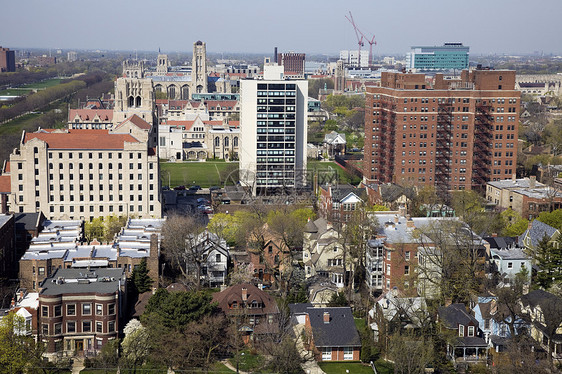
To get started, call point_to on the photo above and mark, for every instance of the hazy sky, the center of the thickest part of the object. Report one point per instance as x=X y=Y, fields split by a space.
x=256 y=26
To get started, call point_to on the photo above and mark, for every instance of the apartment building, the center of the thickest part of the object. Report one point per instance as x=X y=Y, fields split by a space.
x=81 y=310
x=273 y=124
x=449 y=56
x=84 y=174
x=449 y=133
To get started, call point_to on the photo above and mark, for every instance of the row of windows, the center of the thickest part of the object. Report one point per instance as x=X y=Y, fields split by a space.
x=71 y=327
x=100 y=209
x=71 y=309
x=91 y=154
x=101 y=166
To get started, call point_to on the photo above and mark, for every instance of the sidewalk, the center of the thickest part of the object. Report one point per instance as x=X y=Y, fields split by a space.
x=310 y=366
x=77 y=365
x=228 y=365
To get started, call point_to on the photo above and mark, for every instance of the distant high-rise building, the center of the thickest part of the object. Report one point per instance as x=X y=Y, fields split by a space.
x=7 y=60
x=273 y=122
x=450 y=56
x=292 y=62
x=71 y=56
x=355 y=59
x=453 y=134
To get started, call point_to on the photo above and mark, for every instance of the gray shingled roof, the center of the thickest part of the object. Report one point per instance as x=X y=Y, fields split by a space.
x=536 y=233
x=339 y=332
x=501 y=242
x=455 y=314
x=75 y=281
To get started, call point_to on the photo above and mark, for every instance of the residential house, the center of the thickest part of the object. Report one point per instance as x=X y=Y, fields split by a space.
x=468 y=345
x=544 y=310
x=323 y=253
x=508 y=259
x=536 y=232
x=338 y=203
x=334 y=144
x=332 y=335
x=214 y=255
x=394 y=313
x=254 y=311
x=81 y=310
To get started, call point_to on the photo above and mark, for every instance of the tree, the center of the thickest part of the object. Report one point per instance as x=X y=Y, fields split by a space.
x=180 y=242
x=286 y=358
x=16 y=349
x=514 y=224
x=548 y=259
x=410 y=355
x=136 y=344
x=94 y=229
x=508 y=301
x=113 y=226
x=338 y=299
x=553 y=218
x=140 y=278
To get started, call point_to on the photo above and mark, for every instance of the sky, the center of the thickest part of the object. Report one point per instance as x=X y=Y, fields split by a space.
x=257 y=26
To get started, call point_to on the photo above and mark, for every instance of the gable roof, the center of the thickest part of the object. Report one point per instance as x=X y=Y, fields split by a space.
x=234 y=293
x=137 y=121
x=502 y=242
x=105 y=115
x=456 y=314
x=536 y=232
x=339 y=332
x=539 y=298
x=82 y=139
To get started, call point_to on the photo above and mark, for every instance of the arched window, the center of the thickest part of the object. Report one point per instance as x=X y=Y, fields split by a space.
x=138 y=103
x=217 y=142
x=100 y=166
x=226 y=142
x=136 y=74
x=185 y=92
x=131 y=101
x=172 y=92
x=235 y=142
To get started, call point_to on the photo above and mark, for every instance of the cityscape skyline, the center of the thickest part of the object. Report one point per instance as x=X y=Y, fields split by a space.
x=255 y=27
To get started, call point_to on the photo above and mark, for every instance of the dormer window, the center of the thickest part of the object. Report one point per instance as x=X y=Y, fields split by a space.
x=470 y=330
x=234 y=305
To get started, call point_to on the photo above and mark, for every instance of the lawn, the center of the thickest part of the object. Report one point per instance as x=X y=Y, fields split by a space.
x=27 y=88
x=355 y=367
x=326 y=171
x=247 y=361
x=204 y=174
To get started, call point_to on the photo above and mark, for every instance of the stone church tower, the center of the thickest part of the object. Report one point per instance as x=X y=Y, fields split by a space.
x=163 y=64
x=133 y=69
x=199 y=68
x=133 y=96
x=340 y=77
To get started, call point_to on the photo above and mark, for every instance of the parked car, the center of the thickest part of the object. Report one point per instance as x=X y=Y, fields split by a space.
x=179 y=188
x=202 y=200
x=214 y=188
x=195 y=188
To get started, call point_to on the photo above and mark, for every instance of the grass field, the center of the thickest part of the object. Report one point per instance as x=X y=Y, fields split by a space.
x=327 y=169
x=204 y=174
x=25 y=121
x=355 y=367
x=27 y=88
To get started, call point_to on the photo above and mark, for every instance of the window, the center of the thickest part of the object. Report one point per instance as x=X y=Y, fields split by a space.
x=111 y=309
x=71 y=310
x=99 y=309
x=86 y=326
x=45 y=328
x=71 y=326
x=470 y=330
x=111 y=326
x=407 y=255
x=58 y=329
x=86 y=309
x=44 y=311
x=348 y=353
x=57 y=309
x=388 y=255
x=510 y=265
x=461 y=330
x=99 y=326
x=326 y=353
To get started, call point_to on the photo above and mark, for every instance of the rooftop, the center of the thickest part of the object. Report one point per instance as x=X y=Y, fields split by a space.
x=73 y=281
x=82 y=139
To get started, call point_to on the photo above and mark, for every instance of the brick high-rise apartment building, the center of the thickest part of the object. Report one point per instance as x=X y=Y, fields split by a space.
x=292 y=62
x=450 y=133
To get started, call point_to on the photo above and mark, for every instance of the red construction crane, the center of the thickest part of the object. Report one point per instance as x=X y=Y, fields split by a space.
x=360 y=41
x=359 y=36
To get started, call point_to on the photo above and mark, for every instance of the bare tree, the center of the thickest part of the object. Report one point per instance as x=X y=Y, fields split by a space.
x=180 y=237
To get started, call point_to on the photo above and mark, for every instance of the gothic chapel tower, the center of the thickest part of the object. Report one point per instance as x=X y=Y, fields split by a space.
x=199 y=68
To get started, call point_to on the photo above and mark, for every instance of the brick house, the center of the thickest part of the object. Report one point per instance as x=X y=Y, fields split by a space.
x=332 y=335
x=81 y=310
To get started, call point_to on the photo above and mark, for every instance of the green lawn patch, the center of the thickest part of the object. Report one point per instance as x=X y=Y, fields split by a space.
x=330 y=169
x=27 y=88
x=360 y=323
x=384 y=367
x=204 y=174
x=219 y=367
x=247 y=361
x=341 y=367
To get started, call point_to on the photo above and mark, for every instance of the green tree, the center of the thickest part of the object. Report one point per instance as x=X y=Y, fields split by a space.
x=135 y=345
x=177 y=309
x=553 y=218
x=548 y=259
x=141 y=279
x=338 y=299
x=514 y=224
x=16 y=349
x=94 y=229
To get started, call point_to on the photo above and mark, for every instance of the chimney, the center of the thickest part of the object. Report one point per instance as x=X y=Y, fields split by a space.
x=402 y=210
x=410 y=223
x=275 y=55
x=326 y=317
x=532 y=181
x=244 y=294
x=396 y=218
